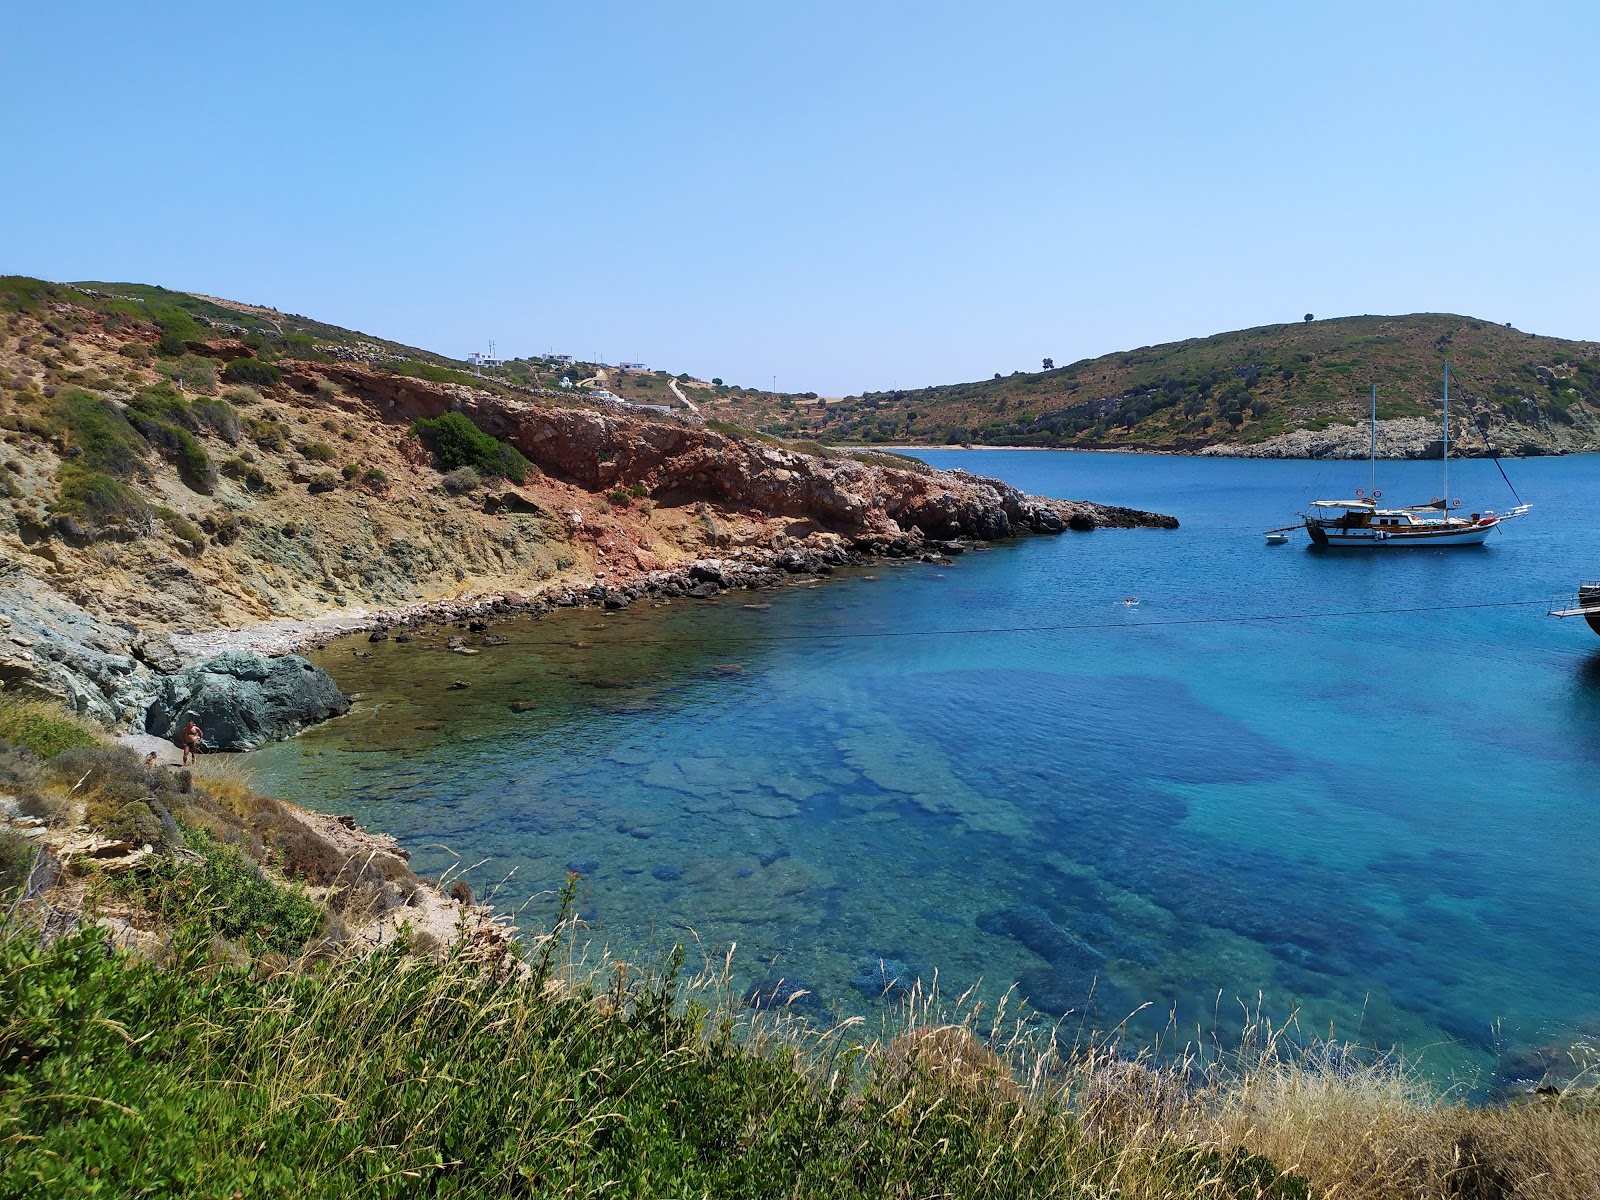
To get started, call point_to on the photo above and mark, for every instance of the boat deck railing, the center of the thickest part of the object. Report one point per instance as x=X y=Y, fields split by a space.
x=1586 y=603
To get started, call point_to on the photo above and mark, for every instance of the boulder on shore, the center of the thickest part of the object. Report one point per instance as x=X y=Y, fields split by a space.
x=243 y=700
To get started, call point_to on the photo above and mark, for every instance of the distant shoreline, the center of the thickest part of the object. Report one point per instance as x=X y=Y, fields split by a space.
x=1155 y=453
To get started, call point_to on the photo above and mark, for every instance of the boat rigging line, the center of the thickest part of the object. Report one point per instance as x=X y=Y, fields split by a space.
x=1494 y=454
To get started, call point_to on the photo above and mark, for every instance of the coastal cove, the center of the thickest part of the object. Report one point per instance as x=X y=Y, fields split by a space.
x=998 y=770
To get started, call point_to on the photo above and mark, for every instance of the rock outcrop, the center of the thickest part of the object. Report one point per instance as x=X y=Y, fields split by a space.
x=242 y=700
x=679 y=462
x=53 y=649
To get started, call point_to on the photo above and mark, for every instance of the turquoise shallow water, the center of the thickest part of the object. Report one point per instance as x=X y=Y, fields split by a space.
x=1386 y=823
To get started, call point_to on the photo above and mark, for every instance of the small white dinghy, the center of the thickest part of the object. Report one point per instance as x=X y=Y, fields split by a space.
x=1277 y=537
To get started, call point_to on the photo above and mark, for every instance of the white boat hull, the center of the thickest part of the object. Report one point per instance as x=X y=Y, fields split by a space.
x=1383 y=539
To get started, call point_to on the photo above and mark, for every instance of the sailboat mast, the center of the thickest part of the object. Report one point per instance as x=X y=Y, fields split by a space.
x=1447 y=438
x=1373 y=491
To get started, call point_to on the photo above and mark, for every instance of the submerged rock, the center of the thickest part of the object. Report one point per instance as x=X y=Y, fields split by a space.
x=883 y=978
x=242 y=700
x=785 y=993
x=1036 y=930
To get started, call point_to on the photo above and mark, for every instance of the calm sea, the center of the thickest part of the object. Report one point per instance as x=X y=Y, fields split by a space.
x=1359 y=789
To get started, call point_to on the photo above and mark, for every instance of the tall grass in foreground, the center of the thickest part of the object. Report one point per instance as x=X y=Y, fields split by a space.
x=393 y=1074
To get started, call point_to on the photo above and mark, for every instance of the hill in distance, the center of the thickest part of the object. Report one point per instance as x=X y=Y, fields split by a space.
x=1291 y=390
x=1250 y=391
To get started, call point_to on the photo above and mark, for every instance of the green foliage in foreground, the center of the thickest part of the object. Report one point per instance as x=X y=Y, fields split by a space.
x=226 y=894
x=457 y=443
x=394 y=1076
x=44 y=729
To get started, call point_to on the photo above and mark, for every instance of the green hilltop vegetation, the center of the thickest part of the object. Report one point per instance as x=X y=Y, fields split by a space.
x=187 y=323
x=1538 y=394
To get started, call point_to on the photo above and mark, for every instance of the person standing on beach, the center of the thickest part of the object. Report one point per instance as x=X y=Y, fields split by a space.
x=191 y=738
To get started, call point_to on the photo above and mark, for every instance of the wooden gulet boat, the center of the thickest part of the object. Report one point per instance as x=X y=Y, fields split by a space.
x=1361 y=523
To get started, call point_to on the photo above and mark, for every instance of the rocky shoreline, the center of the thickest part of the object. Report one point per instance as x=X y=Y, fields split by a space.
x=248 y=685
x=180 y=587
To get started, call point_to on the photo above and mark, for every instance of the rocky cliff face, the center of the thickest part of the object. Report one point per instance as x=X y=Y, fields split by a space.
x=124 y=536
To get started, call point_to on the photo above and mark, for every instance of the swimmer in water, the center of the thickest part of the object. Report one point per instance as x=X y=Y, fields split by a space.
x=1131 y=601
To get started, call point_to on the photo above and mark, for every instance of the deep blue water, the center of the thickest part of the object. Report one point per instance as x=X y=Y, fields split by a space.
x=1385 y=822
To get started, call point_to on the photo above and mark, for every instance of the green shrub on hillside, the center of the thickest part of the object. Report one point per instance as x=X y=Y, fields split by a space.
x=457 y=442
x=195 y=373
x=183 y=528
x=218 y=416
x=108 y=442
x=268 y=434
x=98 y=500
x=228 y=894
x=251 y=371
x=246 y=472
x=169 y=422
x=178 y=328
x=45 y=729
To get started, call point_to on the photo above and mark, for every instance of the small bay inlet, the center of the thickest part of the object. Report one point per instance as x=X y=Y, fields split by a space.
x=1144 y=811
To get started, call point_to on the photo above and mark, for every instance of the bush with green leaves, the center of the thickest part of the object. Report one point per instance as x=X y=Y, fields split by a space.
x=225 y=891
x=220 y=417
x=44 y=729
x=457 y=442
x=178 y=329
x=251 y=371
x=168 y=421
x=183 y=529
x=269 y=434
x=106 y=440
x=97 y=500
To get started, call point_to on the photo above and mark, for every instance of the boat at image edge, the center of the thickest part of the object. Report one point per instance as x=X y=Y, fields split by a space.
x=1361 y=524
x=1585 y=604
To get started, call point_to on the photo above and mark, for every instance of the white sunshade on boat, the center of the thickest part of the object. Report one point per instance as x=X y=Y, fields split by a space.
x=1344 y=504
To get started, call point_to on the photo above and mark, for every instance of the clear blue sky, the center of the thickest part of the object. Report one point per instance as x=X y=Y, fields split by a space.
x=845 y=196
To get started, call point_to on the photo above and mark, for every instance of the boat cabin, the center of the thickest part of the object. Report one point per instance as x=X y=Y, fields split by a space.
x=1365 y=514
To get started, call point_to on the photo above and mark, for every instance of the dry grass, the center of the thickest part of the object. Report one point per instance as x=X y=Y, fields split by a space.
x=1374 y=1132
x=1352 y=1124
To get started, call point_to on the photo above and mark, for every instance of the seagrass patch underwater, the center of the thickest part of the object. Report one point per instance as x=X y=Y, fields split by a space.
x=1382 y=820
